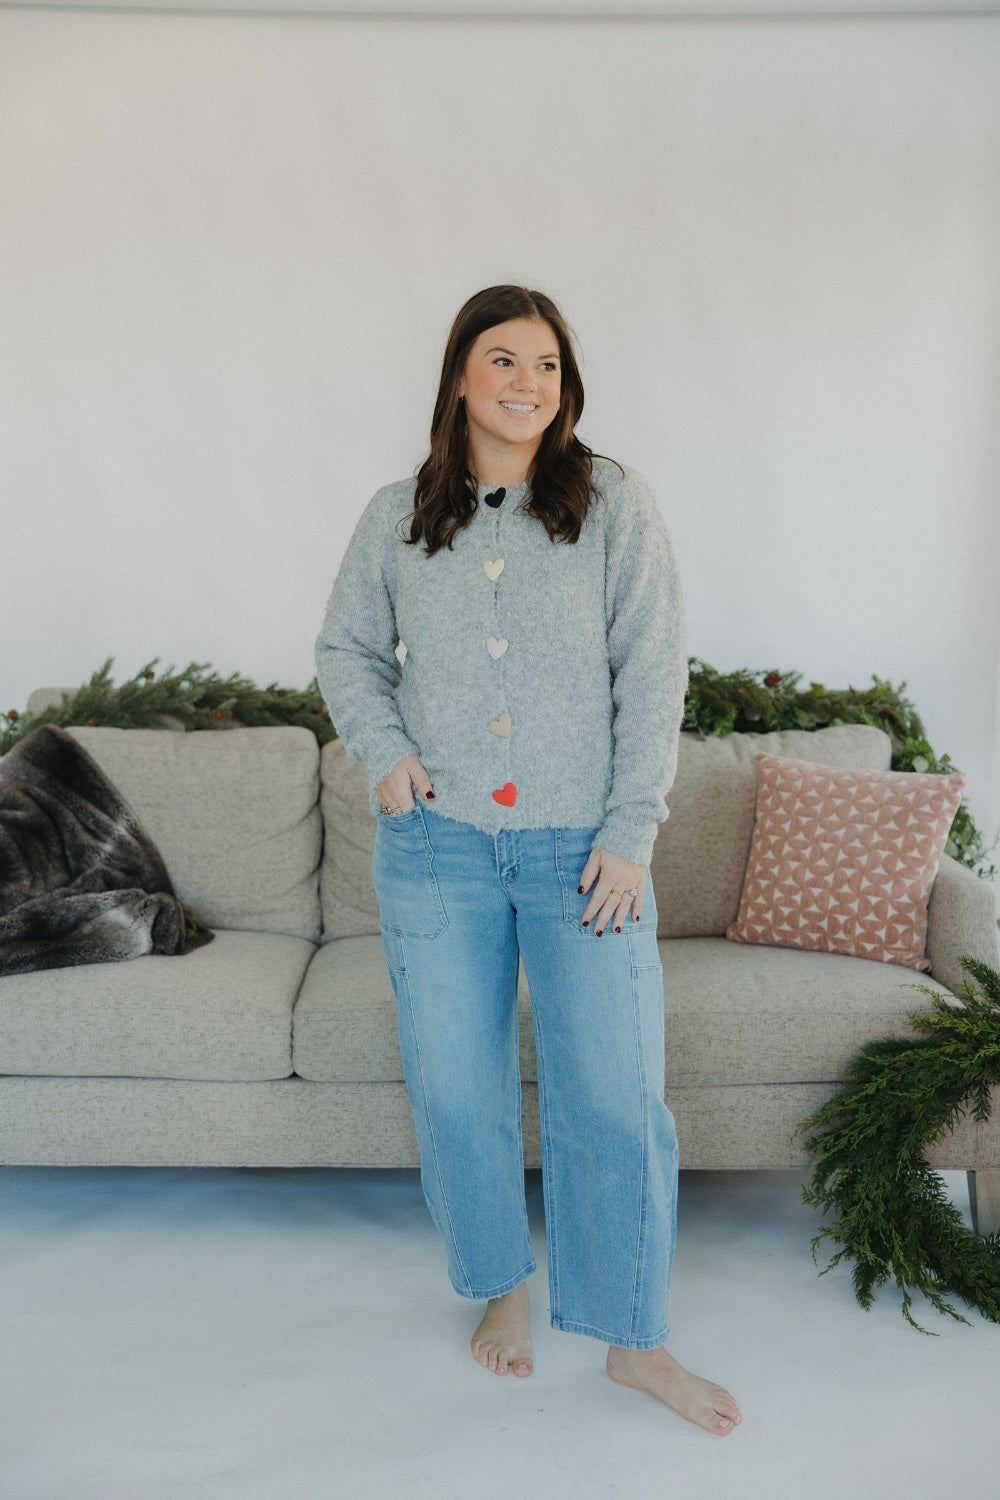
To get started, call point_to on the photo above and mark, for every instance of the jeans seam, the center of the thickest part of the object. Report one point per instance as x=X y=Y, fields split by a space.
x=429 y=1125
x=548 y=1176
x=640 y=1247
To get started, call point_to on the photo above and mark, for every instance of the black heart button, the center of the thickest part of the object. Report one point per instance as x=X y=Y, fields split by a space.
x=495 y=499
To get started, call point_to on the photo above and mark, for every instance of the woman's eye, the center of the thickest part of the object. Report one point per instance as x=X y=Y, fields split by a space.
x=501 y=359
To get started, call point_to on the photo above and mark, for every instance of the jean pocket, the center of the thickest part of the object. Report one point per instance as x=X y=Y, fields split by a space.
x=406 y=886
x=573 y=846
x=643 y=946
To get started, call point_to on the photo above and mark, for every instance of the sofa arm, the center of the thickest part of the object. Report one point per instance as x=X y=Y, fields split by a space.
x=961 y=919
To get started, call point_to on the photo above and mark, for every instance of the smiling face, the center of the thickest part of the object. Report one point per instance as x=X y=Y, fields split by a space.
x=511 y=384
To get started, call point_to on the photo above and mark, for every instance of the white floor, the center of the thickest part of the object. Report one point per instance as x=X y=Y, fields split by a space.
x=171 y=1335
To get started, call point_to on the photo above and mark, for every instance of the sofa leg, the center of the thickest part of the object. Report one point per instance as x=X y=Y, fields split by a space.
x=984 y=1200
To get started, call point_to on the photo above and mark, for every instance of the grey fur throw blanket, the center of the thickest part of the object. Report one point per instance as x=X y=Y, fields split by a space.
x=80 y=881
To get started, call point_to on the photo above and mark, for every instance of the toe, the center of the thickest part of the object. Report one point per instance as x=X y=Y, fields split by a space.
x=727 y=1418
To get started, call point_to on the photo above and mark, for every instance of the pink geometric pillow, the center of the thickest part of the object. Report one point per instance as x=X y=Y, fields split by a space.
x=843 y=861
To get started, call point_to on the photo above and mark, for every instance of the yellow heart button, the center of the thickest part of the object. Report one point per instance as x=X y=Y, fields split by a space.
x=502 y=726
x=493 y=568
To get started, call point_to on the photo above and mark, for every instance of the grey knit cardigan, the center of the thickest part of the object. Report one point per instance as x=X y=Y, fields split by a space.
x=542 y=683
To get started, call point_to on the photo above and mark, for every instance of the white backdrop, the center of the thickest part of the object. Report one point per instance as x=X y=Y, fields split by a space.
x=230 y=248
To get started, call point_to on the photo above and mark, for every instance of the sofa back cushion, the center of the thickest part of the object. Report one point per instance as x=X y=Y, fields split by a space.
x=345 y=882
x=698 y=860
x=234 y=814
x=700 y=856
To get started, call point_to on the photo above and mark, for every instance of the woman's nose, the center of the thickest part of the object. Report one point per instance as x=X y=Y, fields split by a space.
x=525 y=379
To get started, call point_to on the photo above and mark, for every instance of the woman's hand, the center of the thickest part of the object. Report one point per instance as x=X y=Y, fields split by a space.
x=620 y=885
x=396 y=790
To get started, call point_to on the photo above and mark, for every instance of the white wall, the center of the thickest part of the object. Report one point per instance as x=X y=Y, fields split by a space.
x=230 y=248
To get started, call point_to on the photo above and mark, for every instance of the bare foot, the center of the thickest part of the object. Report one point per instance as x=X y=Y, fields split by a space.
x=656 y=1371
x=502 y=1341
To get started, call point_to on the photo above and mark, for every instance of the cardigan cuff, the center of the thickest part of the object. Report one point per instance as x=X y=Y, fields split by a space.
x=380 y=750
x=629 y=835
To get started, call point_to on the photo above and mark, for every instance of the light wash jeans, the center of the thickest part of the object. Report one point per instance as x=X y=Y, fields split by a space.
x=457 y=906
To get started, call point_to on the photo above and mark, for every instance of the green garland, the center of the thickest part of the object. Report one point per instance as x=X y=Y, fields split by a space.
x=756 y=702
x=900 y=1095
x=717 y=703
x=196 y=698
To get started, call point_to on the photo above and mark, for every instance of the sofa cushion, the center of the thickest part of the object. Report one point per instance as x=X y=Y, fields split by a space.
x=843 y=861
x=701 y=853
x=735 y=1014
x=344 y=1027
x=223 y=1012
x=234 y=814
x=742 y=1015
x=698 y=859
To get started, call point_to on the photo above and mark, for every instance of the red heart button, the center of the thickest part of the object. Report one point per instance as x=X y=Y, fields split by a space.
x=507 y=795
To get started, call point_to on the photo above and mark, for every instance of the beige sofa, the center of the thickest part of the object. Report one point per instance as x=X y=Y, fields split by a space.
x=275 y=1045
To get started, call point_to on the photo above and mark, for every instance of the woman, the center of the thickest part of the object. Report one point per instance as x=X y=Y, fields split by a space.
x=519 y=756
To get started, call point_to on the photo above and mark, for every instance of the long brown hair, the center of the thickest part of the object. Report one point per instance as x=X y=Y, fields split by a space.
x=561 y=492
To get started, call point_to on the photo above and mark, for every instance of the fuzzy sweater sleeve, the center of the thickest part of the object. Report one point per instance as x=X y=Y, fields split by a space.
x=356 y=663
x=647 y=657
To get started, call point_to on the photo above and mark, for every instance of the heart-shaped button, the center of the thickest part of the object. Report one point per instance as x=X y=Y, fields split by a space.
x=506 y=795
x=496 y=646
x=493 y=568
x=502 y=726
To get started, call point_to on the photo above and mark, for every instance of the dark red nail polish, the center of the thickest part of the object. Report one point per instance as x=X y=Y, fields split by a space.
x=618 y=929
x=579 y=890
x=430 y=796
x=599 y=932
x=585 y=924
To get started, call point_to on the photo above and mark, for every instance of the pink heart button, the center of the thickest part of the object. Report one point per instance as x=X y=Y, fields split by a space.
x=496 y=647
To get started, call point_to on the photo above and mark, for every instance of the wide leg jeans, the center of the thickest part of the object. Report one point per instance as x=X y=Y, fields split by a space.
x=458 y=907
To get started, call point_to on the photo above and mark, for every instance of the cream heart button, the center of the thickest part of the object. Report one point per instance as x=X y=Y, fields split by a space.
x=506 y=795
x=496 y=647
x=493 y=567
x=502 y=726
